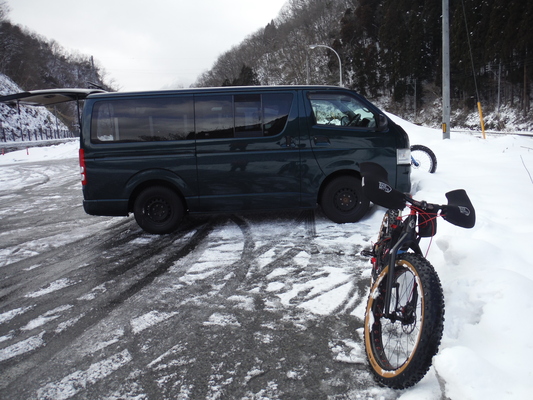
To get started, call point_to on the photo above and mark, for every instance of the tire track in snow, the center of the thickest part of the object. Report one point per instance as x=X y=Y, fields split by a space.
x=234 y=377
x=54 y=261
x=97 y=309
x=297 y=262
x=77 y=381
x=214 y=332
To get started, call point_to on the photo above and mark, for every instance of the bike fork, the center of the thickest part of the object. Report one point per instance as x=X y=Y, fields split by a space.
x=407 y=236
x=391 y=274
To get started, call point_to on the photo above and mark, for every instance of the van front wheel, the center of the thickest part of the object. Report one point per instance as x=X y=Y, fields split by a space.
x=158 y=210
x=343 y=201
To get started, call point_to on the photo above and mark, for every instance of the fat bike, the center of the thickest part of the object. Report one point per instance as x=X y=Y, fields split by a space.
x=404 y=316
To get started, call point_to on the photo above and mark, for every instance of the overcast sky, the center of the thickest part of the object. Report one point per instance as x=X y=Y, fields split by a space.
x=147 y=44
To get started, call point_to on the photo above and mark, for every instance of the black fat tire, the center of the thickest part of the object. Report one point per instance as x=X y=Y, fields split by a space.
x=158 y=210
x=343 y=201
x=400 y=372
x=426 y=157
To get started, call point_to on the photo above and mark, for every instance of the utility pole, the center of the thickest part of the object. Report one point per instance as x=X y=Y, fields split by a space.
x=526 y=94
x=446 y=69
x=499 y=88
x=415 y=100
x=93 y=70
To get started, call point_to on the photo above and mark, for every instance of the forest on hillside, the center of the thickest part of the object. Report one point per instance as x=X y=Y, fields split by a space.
x=35 y=62
x=391 y=52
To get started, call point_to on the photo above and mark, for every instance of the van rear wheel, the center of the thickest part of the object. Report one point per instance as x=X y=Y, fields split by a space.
x=343 y=201
x=158 y=210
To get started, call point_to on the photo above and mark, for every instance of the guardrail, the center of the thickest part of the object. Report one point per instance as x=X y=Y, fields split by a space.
x=489 y=132
x=33 y=134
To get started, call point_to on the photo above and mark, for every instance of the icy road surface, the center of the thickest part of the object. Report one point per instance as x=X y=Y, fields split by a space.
x=251 y=306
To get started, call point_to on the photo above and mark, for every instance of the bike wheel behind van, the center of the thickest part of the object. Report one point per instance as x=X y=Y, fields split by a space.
x=423 y=158
x=342 y=200
x=158 y=210
x=400 y=347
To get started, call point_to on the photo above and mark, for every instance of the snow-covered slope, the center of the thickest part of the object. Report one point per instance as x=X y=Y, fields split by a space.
x=25 y=118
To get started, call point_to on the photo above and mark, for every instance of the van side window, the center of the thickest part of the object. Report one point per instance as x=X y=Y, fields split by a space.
x=241 y=115
x=333 y=109
x=248 y=118
x=143 y=120
x=214 y=116
x=276 y=109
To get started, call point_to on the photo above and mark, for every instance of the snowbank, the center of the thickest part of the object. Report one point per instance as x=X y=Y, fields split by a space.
x=486 y=271
x=32 y=154
x=26 y=118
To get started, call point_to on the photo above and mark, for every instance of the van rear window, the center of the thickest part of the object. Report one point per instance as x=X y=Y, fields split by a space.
x=143 y=120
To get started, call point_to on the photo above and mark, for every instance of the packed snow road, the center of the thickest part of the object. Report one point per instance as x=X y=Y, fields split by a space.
x=252 y=306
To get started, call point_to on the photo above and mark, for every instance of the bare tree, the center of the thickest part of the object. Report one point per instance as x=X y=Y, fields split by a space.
x=278 y=53
x=4 y=11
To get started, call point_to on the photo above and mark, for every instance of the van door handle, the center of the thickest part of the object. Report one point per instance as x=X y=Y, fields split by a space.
x=321 y=140
x=288 y=142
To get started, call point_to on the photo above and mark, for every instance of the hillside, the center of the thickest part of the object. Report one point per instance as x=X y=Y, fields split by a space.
x=35 y=62
x=24 y=122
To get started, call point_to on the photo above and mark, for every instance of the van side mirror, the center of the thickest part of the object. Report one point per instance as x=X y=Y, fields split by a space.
x=383 y=123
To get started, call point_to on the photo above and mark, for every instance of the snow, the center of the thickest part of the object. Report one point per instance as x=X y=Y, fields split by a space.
x=222 y=320
x=79 y=380
x=9 y=315
x=53 y=287
x=149 y=319
x=44 y=319
x=485 y=271
x=27 y=118
x=22 y=347
x=56 y=152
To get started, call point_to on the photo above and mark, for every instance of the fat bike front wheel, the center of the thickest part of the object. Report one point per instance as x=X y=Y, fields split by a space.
x=401 y=346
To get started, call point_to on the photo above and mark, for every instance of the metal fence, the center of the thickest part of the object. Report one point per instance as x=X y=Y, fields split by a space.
x=28 y=135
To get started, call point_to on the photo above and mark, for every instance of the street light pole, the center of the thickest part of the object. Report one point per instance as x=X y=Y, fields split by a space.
x=314 y=46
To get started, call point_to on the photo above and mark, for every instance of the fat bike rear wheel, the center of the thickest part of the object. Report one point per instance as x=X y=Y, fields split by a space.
x=400 y=347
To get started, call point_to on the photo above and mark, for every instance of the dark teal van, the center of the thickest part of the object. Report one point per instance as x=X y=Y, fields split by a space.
x=162 y=154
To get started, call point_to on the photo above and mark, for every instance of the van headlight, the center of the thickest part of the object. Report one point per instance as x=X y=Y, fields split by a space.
x=403 y=156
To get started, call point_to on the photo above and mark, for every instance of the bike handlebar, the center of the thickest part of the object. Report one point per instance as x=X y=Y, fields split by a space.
x=461 y=215
x=459 y=210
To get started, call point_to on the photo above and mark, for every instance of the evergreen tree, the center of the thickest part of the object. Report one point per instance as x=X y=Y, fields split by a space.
x=247 y=77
